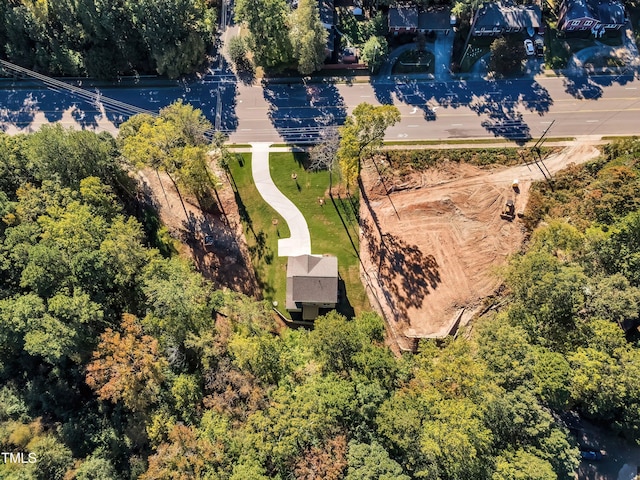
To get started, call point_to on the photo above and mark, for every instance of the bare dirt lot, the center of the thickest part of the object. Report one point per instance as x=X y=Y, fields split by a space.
x=214 y=241
x=430 y=248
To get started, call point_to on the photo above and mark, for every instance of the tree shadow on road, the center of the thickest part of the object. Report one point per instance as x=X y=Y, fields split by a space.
x=299 y=112
x=590 y=86
x=20 y=106
x=498 y=103
x=582 y=87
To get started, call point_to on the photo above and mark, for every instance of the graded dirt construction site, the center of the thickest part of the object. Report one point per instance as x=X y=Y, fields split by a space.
x=431 y=246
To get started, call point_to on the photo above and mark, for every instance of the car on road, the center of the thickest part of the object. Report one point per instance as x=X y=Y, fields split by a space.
x=591 y=455
x=528 y=47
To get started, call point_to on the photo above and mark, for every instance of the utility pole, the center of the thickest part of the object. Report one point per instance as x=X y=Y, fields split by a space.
x=536 y=150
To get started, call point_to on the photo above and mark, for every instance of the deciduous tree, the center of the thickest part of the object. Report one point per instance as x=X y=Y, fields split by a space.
x=374 y=52
x=363 y=133
x=266 y=21
x=308 y=37
x=127 y=367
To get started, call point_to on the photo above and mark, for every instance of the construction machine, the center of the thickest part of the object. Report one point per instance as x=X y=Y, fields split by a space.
x=509 y=210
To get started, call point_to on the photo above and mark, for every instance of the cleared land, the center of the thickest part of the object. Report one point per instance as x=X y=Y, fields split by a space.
x=430 y=247
x=214 y=241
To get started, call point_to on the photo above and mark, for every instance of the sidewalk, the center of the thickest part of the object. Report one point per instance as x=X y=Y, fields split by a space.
x=299 y=243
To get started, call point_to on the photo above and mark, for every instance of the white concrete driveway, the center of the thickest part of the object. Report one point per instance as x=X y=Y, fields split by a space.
x=299 y=243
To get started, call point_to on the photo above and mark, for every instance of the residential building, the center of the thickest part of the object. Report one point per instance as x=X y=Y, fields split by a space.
x=403 y=19
x=499 y=19
x=598 y=16
x=327 y=17
x=435 y=20
x=312 y=284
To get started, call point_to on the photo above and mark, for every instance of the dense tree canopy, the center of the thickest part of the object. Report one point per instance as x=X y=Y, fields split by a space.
x=106 y=38
x=308 y=37
x=117 y=362
x=268 y=38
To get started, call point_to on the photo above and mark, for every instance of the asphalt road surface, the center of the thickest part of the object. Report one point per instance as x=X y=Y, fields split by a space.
x=516 y=109
x=277 y=111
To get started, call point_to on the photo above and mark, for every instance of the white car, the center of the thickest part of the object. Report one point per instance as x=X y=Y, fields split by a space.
x=528 y=47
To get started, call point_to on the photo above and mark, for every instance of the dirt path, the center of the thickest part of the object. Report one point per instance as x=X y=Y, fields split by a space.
x=224 y=259
x=430 y=248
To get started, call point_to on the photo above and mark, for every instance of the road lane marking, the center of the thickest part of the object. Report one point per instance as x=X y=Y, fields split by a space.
x=593 y=121
x=456 y=124
x=413 y=126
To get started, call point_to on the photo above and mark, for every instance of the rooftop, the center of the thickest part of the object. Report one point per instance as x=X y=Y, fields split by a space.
x=512 y=16
x=403 y=17
x=312 y=279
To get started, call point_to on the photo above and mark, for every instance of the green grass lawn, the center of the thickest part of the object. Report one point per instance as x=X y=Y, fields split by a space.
x=478 y=47
x=413 y=61
x=333 y=226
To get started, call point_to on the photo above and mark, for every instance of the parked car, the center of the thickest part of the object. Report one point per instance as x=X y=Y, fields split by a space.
x=591 y=455
x=349 y=55
x=539 y=44
x=528 y=47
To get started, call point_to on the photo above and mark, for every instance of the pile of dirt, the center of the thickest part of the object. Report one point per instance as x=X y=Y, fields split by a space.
x=430 y=246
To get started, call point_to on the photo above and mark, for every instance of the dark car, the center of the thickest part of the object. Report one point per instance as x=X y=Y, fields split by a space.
x=591 y=455
x=539 y=44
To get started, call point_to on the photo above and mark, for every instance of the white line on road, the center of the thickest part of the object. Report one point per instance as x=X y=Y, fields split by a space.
x=365 y=96
x=593 y=121
x=246 y=129
x=456 y=124
x=413 y=126
x=631 y=88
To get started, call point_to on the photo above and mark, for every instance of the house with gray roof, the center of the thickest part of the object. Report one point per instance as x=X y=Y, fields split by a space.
x=403 y=19
x=595 y=15
x=435 y=20
x=312 y=284
x=499 y=19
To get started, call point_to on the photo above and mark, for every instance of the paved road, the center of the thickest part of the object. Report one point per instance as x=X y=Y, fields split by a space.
x=276 y=112
x=475 y=109
x=299 y=243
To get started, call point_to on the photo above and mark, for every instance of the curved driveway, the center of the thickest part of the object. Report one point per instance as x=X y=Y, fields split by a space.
x=299 y=243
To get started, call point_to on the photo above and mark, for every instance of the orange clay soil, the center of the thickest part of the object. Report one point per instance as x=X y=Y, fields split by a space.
x=430 y=249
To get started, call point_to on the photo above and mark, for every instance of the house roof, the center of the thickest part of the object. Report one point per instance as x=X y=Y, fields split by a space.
x=610 y=12
x=604 y=11
x=508 y=16
x=435 y=19
x=312 y=279
x=403 y=17
x=575 y=9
